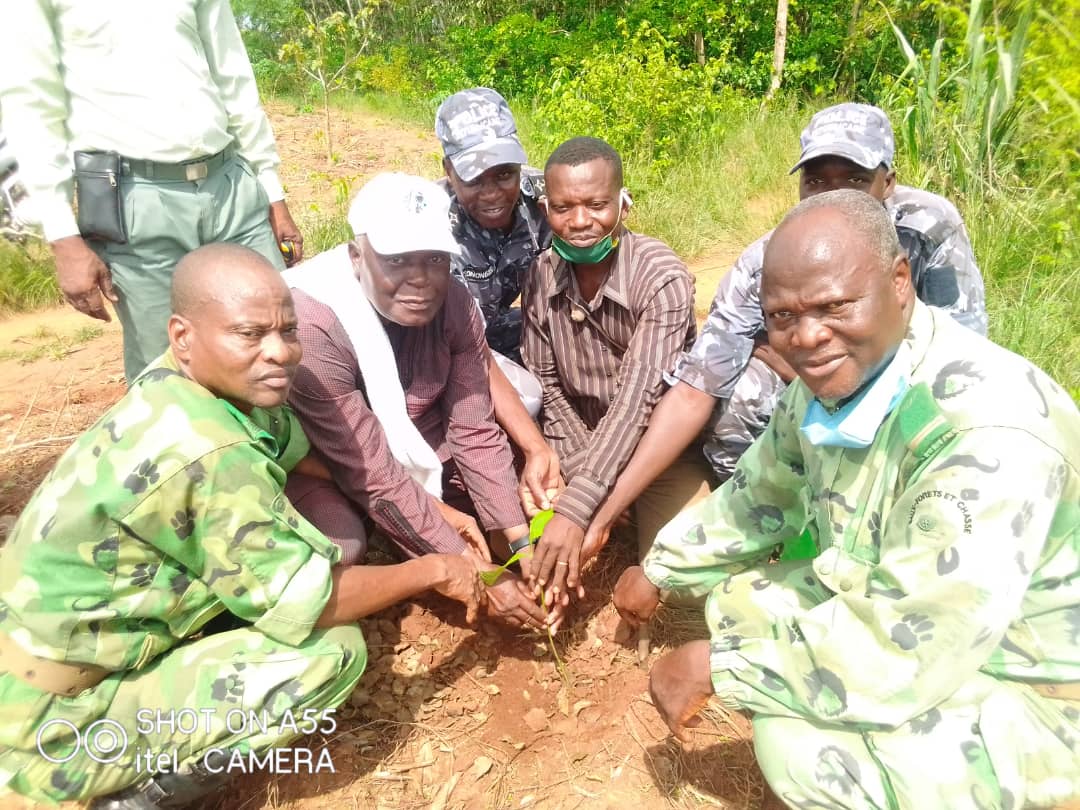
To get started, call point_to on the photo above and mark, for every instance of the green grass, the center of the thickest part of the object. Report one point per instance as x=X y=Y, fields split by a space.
x=27 y=280
x=44 y=342
x=1027 y=249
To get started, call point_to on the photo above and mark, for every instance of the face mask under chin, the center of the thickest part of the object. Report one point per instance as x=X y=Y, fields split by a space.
x=584 y=255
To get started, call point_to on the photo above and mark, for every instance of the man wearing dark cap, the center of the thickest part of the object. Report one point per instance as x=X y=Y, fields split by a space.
x=846 y=146
x=494 y=208
x=498 y=224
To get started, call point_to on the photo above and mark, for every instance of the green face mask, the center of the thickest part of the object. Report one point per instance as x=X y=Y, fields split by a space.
x=585 y=255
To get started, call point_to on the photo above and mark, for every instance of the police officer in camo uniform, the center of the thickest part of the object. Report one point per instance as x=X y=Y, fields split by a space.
x=494 y=208
x=848 y=146
x=845 y=146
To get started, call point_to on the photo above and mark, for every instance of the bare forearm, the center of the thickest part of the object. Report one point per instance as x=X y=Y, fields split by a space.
x=510 y=413
x=361 y=590
x=676 y=421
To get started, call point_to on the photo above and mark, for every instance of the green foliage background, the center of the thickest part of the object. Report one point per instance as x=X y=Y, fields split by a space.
x=984 y=96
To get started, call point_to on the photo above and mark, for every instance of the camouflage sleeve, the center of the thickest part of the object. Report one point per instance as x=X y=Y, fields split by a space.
x=955 y=254
x=763 y=504
x=892 y=640
x=561 y=424
x=720 y=354
x=226 y=519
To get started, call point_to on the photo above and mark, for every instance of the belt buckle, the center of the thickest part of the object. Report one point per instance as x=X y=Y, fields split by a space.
x=195 y=171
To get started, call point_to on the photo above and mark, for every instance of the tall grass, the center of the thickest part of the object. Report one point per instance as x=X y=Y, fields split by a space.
x=960 y=126
x=27 y=280
x=968 y=131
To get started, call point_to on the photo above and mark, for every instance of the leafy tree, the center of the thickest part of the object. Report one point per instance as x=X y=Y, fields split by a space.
x=327 y=46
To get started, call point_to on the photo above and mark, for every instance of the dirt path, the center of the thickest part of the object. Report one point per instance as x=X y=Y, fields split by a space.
x=445 y=717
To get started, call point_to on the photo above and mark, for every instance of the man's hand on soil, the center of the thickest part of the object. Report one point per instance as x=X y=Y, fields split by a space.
x=681 y=684
x=460 y=580
x=555 y=565
x=511 y=601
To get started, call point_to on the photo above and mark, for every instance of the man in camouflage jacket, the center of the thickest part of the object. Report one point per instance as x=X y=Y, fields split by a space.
x=928 y=655
x=168 y=513
x=846 y=146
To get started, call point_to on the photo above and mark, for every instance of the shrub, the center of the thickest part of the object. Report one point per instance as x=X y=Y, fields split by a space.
x=636 y=97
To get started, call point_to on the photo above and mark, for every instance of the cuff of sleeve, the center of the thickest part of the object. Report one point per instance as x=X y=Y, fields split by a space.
x=732 y=692
x=661 y=576
x=580 y=499
x=272 y=183
x=689 y=370
x=57 y=220
x=715 y=362
x=295 y=612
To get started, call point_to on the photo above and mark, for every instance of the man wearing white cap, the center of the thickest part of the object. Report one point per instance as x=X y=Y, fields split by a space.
x=730 y=380
x=393 y=392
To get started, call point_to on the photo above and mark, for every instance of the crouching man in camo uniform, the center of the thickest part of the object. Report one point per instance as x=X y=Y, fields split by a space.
x=927 y=656
x=166 y=514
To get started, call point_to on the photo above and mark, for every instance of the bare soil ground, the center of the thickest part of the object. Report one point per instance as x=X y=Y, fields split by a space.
x=446 y=716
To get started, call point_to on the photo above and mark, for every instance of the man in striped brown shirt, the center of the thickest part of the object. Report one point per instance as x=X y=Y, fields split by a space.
x=606 y=312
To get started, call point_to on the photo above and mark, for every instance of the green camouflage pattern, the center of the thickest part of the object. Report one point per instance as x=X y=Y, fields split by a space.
x=943 y=271
x=166 y=513
x=946 y=577
x=238 y=691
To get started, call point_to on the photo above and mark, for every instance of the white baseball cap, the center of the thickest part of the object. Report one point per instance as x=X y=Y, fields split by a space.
x=400 y=213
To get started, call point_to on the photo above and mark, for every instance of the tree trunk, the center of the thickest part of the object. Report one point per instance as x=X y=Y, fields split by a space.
x=853 y=23
x=699 y=47
x=326 y=117
x=779 y=47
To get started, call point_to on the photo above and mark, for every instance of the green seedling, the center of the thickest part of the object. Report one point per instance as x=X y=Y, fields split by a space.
x=536 y=529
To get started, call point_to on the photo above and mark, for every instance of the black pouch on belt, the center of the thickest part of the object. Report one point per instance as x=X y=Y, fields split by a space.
x=100 y=212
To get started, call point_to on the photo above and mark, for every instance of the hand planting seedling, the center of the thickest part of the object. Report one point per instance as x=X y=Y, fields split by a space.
x=536 y=529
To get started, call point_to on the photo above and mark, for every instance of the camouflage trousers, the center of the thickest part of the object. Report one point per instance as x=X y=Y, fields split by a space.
x=738 y=421
x=992 y=744
x=236 y=691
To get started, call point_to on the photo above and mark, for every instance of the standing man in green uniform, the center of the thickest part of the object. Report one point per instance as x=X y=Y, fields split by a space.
x=162 y=98
x=167 y=513
x=928 y=656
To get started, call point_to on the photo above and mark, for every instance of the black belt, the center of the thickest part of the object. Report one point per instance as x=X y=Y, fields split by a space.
x=188 y=171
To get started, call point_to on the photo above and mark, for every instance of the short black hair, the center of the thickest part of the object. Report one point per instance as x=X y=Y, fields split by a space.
x=584 y=149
